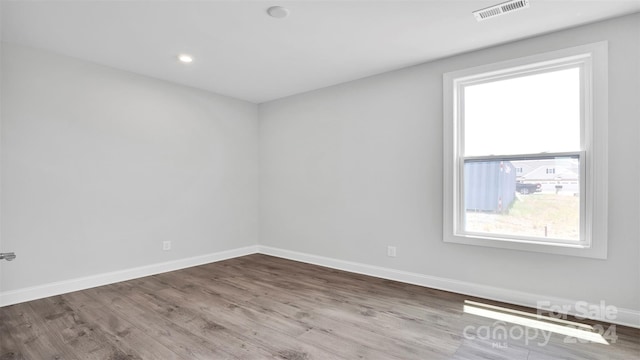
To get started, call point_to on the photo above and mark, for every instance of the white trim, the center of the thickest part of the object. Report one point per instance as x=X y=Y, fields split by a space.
x=625 y=317
x=593 y=59
x=66 y=286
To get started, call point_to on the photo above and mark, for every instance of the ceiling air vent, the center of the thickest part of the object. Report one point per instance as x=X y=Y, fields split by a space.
x=500 y=9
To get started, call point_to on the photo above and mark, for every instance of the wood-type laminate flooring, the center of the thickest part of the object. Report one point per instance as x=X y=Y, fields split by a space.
x=263 y=307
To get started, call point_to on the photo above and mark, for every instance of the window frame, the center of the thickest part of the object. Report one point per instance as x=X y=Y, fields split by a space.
x=592 y=58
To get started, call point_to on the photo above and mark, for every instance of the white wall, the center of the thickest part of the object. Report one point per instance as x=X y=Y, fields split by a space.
x=1 y=248
x=99 y=166
x=347 y=170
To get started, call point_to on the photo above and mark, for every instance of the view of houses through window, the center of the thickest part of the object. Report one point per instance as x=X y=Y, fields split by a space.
x=523 y=198
x=516 y=183
x=525 y=153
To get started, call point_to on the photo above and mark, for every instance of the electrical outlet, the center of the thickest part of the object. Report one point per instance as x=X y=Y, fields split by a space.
x=166 y=245
x=391 y=251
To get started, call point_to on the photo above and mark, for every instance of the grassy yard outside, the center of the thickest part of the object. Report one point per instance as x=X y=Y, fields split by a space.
x=532 y=215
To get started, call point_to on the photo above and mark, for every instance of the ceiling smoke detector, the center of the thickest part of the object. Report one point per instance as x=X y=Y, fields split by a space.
x=501 y=9
x=278 y=12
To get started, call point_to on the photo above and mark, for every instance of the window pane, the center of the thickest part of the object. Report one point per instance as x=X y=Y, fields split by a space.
x=540 y=201
x=524 y=115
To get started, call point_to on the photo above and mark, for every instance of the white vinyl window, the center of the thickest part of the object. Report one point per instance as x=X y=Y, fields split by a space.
x=525 y=153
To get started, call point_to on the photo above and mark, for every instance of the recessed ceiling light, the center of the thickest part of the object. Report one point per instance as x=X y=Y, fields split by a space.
x=278 y=12
x=184 y=58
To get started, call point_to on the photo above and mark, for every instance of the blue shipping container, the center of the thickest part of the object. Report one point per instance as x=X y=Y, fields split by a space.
x=489 y=186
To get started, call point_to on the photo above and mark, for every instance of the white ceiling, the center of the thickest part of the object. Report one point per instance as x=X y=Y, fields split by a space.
x=241 y=52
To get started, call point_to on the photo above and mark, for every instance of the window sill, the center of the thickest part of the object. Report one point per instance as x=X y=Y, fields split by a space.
x=579 y=250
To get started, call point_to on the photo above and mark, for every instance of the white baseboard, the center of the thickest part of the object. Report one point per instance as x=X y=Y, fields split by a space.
x=625 y=317
x=66 y=286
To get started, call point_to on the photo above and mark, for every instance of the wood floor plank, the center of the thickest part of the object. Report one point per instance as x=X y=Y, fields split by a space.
x=34 y=340
x=200 y=323
x=263 y=307
x=118 y=330
x=257 y=325
x=79 y=338
x=9 y=347
x=238 y=313
x=169 y=334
